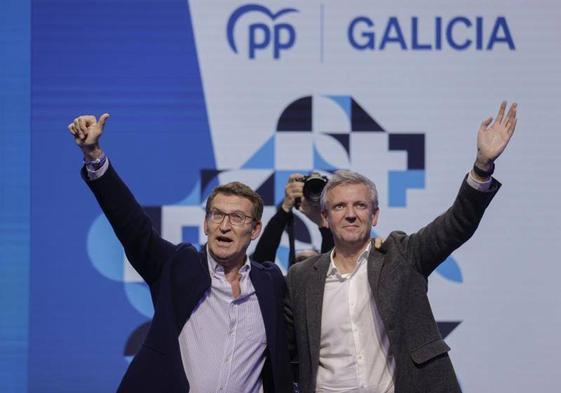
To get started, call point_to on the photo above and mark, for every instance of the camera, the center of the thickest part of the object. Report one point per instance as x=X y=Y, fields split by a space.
x=313 y=186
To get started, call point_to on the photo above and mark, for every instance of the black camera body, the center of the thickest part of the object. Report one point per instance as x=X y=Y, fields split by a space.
x=313 y=186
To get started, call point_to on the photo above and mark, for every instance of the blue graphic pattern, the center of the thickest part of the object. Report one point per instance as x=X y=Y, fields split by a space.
x=344 y=102
x=450 y=270
x=138 y=294
x=400 y=182
x=104 y=250
x=264 y=158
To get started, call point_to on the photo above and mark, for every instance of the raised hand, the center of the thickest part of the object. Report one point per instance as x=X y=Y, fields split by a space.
x=493 y=136
x=87 y=130
x=292 y=191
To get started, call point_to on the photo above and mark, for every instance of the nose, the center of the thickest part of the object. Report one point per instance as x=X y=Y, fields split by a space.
x=350 y=214
x=225 y=224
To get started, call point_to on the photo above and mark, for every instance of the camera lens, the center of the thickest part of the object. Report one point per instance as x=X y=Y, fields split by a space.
x=313 y=186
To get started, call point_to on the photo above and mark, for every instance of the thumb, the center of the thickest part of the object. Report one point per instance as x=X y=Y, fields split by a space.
x=102 y=119
x=486 y=122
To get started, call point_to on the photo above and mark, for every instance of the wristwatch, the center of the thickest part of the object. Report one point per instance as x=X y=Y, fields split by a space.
x=94 y=165
x=482 y=173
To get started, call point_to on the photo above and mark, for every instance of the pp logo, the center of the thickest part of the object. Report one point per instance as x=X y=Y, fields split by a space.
x=260 y=35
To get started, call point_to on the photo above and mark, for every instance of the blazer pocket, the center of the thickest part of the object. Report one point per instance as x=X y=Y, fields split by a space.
x=429 y=351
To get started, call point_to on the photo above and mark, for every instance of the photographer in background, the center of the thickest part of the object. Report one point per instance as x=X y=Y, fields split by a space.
x=301 y=192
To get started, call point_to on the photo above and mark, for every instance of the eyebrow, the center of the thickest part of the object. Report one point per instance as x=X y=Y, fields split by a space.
x=352 y=202
x=232 y=212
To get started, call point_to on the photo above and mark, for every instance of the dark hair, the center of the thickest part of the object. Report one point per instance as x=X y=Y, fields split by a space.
x=241 y=190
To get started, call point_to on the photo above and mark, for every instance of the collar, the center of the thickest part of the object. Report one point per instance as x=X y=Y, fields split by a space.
x=214 y=267
x=362 y=258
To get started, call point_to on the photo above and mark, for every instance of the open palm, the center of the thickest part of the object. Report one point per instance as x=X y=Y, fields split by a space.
x=493 y=136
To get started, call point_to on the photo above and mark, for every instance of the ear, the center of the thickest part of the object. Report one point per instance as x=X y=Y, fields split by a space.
x=324 y=217
x=375 y=216
x=205 y=226
x=324 y=222
x=256 y=230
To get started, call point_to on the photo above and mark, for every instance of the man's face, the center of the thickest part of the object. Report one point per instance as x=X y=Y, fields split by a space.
x=226 y=242
x=350 y=215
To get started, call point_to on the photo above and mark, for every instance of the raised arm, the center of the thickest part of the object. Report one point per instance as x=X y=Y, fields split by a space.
x=144 y=247
x=434 y=243
x=266 y=248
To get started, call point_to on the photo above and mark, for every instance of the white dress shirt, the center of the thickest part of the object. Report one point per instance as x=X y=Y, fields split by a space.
x=223 y=342
x=353 y=355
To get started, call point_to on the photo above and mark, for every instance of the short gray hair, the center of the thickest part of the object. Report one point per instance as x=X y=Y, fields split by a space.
x=342 y=177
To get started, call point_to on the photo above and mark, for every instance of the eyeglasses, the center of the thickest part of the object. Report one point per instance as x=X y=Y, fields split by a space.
x=236 y=218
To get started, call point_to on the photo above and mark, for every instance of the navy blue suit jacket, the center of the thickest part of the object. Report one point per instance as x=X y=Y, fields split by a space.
x=178 y=277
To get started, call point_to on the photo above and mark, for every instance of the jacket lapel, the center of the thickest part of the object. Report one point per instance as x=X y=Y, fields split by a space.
x=265 y=291
x=190 y=280
x=314 y=301
x=375 y=262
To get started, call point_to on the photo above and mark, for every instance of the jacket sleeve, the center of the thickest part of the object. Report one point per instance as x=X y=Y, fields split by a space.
x=431 y=245
x=144 y=247
x=266 y=248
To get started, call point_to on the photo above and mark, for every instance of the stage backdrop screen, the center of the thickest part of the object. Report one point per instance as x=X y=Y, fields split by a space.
x=205 y=92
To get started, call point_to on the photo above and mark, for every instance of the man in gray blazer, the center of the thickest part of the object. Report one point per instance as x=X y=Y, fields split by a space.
x=361 y=317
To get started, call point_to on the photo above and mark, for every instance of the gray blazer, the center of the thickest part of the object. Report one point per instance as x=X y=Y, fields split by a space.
x=397 y=274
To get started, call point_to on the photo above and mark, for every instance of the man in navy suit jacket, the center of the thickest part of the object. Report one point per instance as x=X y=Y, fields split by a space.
x=218 y=323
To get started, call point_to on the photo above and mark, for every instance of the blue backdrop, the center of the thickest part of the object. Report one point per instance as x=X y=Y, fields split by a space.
x=137 y=59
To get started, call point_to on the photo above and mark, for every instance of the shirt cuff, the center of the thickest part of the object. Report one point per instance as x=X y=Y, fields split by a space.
x=479 y=185
x=97 y=173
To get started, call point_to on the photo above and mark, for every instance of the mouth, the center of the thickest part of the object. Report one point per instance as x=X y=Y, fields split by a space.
x=224 y=240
